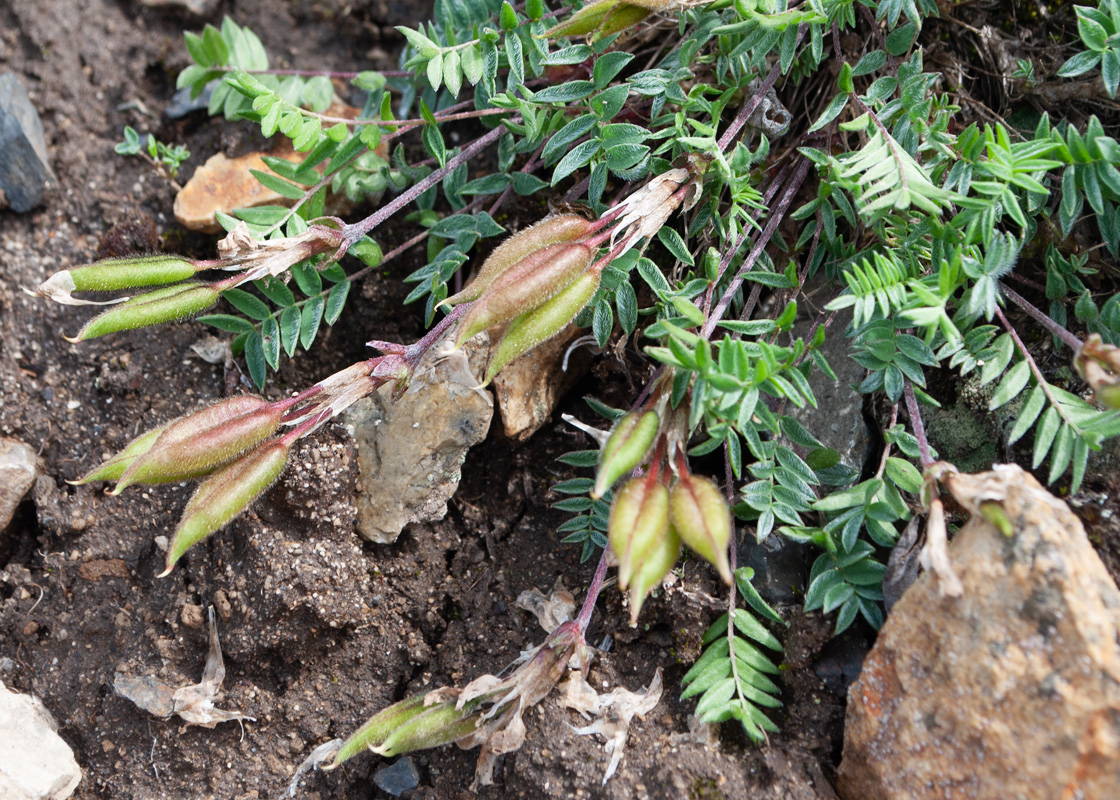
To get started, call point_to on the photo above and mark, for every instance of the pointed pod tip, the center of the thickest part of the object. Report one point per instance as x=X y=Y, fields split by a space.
x=166 y=571
x=75 y=340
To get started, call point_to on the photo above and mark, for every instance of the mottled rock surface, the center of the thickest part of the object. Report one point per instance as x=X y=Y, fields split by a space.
x=223 y=184
x=529 y=387
x=19 y=466
x=410 y=452
x=25 y=172
x=1009 y=691
x=35 y=764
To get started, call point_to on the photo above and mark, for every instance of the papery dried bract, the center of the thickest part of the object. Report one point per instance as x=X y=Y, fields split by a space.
x=527 y=285
x=153 y=308
x=1099 y=364
x=627 y=446
x=702 y=518
x=549 y=231
x=225 y=494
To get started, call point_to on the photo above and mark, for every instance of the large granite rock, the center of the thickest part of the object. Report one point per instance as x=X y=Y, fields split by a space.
x=410 y=451
x=35 y=764
x=25 y=172
x=1011 y=690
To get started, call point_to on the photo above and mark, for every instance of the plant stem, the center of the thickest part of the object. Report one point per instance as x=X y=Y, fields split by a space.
x=756 y=99
x=351 y=233
x=1041 y=318
x=763 y=239
x=917 y=424
x=1035 y=370
x=593 y=591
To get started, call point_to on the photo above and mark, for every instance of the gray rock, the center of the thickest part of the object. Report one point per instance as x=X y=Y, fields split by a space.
x=781 y=567
x=19 y=467
x=182 y=103
x=1011 y=690
x=410 y=452
x=25 y=171
x=35 y=764
x=838 y=419
x=398 y=778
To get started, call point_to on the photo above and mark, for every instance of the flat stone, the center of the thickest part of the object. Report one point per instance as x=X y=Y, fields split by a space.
x=529 y=387
x=1011 y=690
x=410 y=452
x=35 y=763
x=182 y=103
x=397 y=778
x=19 y=467
x=223 y=184
x=837 y=421
x=25 y=171
x=226 y=184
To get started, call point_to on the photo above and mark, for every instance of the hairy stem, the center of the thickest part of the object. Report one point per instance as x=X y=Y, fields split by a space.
x=1041 y=318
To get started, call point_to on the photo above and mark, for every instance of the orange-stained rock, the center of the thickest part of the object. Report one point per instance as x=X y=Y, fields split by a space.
x=1011 y=690
x=529 y=387
x=223 y=184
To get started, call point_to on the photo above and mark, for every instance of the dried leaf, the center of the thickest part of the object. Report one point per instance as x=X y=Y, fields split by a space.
x=551 y=611
x=615 y=711
x=194 y=704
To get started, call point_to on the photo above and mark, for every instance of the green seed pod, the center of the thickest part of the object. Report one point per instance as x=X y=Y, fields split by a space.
x=659 y=559
x=527 y=285
x=152 y=308
x=112 y=468
x=542 y=323
x=631 y=439
x=113 y=274
x=199 y=444
x=186 y=426
x=553 y=230
x=378 y=728
x=585 y=21
x=702 y=518
x=440 y=724
x=225 y=494
x=639 y=519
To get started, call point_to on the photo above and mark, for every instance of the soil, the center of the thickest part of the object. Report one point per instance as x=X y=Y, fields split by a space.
x=320 y=629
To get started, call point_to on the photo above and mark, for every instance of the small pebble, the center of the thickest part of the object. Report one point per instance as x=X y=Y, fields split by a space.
x=398 y=778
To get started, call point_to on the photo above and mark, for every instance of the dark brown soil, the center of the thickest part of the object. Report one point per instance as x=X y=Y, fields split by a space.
x=320 y=630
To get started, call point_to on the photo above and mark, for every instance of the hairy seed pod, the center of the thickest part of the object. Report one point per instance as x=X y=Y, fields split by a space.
x=114 y=274
x=528 y=284
x=639 y=519
x=542 y=323
x=553 y=230
x=700 y=514
x=378 y=728
x=658 y=560
x=210 y=446
x=225 y=494
x=437 y=725
x=152 y=308
x=630 y=440
x=183 y=427
x=113 y=467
